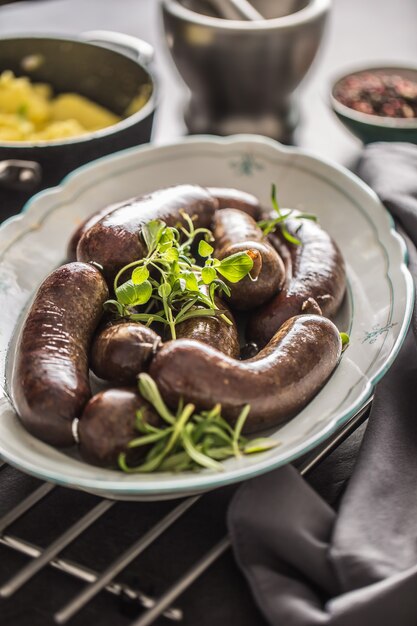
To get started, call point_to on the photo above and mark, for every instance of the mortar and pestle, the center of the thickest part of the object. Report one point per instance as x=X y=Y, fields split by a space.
x=242 y=61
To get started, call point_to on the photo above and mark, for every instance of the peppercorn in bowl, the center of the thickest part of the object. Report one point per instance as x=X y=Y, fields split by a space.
x=378 y=103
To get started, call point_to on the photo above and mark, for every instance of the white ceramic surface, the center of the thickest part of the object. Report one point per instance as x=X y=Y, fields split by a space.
x=376 y=311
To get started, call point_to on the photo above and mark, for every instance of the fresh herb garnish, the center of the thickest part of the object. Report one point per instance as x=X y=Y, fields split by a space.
x=345 y=340
x=167 y=285
x=270 y=225
x=188 y=440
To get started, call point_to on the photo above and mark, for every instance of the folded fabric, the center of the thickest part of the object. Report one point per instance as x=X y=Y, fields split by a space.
x=307 y=564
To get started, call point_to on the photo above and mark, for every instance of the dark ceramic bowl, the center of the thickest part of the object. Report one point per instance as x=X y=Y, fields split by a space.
x=371 y=128
x=109 y=68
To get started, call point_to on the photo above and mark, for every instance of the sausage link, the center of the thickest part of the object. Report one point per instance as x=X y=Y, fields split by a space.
x=235 y=231
x=85 y=225
x=115 y=240
x=123 y=350
x=50 y=383
x=212 y=331
x=108 y=424
x=277 y=383
x=236 y=199
x=224 y=197
x=315 y=270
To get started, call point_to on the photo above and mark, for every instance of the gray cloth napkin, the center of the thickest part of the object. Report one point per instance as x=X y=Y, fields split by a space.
x=307 y=564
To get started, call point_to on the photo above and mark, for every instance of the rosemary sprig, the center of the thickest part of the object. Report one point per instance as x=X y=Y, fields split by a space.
x=270 y=225
x=167 y=285
x=189 y=440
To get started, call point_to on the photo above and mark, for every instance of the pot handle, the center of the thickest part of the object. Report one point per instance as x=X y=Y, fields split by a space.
x=134 y=47
x=20 y=175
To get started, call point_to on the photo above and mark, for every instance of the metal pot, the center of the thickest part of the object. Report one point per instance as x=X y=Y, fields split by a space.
x=107 y=67
x=242 y=74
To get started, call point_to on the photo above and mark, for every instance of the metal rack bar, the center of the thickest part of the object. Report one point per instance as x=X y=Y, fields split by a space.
x=26 y=573
x=183 y=583
x=26 y=504
x=62 y=616
x=86 y=574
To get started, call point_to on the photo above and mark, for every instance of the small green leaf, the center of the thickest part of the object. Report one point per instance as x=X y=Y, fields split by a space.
x=235 y=267
x=167 y=235
x=345 y=340
x=139 y=275
x=171 y=255
x=221 y=285
x=185 y=260
x=197 y=456
x=115 y=307
x=205 y=249
x=208 y=274
x=290 y=237
x=261 y=444
x=191 y=281
x=163 y=247
x=164 y=290
x=130 y=294
x=151 y=233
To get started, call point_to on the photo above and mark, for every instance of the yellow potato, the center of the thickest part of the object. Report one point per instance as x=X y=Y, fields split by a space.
x=30 y=112
x=90 y=115
x=18 y=96
x=43 y=90
x=59 y=130
x=14 y=128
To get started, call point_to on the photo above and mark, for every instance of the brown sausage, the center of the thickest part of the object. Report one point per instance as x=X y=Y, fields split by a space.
x=277 y=383
x=108 y=424
x=115 y=240
x=236 y=199
x=225 y=197
x=85 y=225
x=235 y=231
x=212 y=331
x=315 y=270
x=123 y=350
x=50 y=383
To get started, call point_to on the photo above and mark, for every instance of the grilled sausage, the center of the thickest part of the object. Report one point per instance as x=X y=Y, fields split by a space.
x=85 y=225
x=315 y=270
x=108 y=424
x=212 y=331
x=235 y=231
x=277 y=383
x=224 y=197
x=123 y=350
x=115 y=240
x=236 y=199
x=50 y=383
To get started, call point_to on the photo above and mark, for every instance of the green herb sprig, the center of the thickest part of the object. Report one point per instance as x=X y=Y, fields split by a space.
x=270 y=225
x=188 y=440
x=168 y=285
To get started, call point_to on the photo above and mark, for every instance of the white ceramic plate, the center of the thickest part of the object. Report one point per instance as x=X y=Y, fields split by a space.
x=376 y=311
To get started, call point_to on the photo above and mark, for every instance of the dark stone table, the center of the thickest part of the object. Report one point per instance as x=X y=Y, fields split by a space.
x=359 y=32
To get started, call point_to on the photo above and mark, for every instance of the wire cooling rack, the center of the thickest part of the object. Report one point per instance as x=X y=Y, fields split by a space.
x=107 y=580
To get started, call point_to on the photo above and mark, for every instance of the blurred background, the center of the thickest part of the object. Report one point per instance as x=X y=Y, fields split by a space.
x=358 y=33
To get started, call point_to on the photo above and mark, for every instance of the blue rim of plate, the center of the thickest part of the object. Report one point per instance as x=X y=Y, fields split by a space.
x=204 y=481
